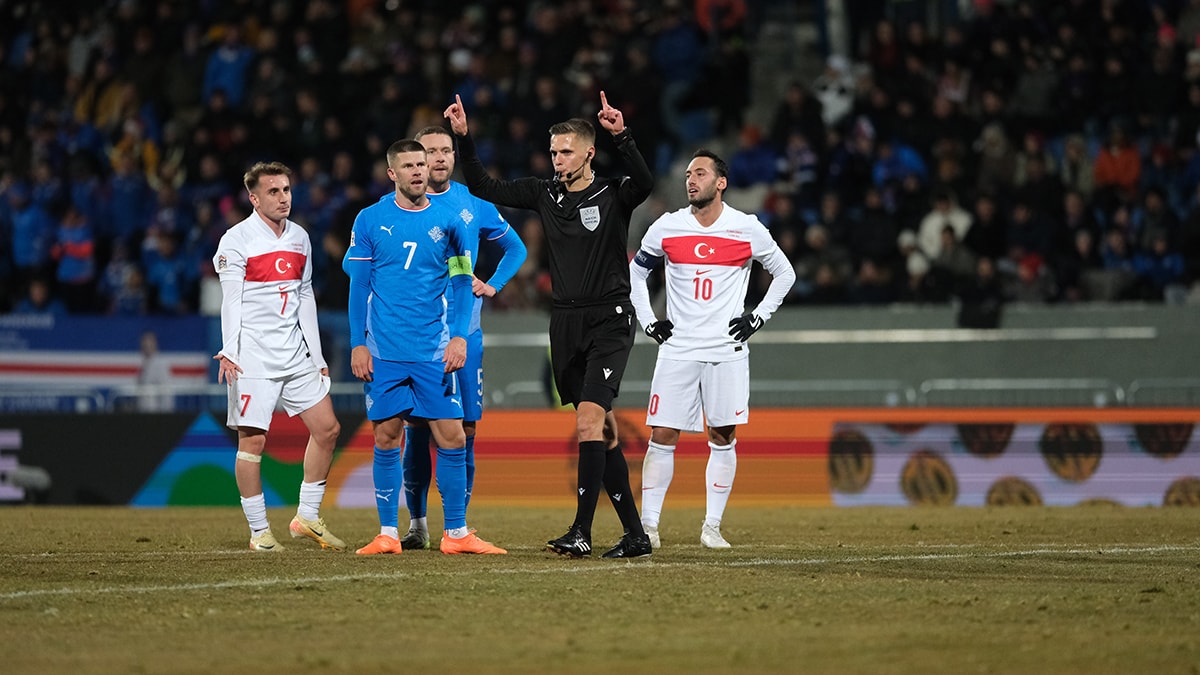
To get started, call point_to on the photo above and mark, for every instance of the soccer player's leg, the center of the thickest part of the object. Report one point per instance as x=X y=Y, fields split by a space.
x=251 y=443
x=718 y=477
x=658 y=468
x=387 y=401
x=674 y=405
x=634 y=542
x=611 y=341
x=470 y=387
x=307 y=395
x=726 y=389
x=418 y=473
x=568 y=364
x=469 y=458
x=251 y=404
x=438 y=401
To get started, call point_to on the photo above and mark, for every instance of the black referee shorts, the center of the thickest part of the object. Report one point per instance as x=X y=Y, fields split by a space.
x=589 y=347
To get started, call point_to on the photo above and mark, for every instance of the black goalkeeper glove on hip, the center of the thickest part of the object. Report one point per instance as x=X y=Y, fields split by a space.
x=745 y=325
x=659 y=331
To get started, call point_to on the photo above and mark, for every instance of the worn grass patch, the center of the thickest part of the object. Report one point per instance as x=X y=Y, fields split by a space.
x=1095 y=589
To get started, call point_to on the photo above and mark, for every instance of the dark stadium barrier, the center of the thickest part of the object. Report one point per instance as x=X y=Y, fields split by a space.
x=831 y=456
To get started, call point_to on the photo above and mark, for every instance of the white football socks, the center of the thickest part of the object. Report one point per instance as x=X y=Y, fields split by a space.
x=311 y=495
x=658 y=468
x=255 y=509
x=718 y=480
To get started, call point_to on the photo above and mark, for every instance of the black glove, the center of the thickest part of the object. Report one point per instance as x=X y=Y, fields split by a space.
x=659 y=331
x=745 y=325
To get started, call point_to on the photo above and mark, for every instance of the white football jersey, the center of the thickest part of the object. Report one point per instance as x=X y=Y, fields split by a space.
x=261 y=324
x=707 y=275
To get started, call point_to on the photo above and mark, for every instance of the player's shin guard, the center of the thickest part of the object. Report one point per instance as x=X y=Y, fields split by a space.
x=470 y=467
x=590 y=481
x=718 y=478
x=389 y=483
x=452 y=484
x=658 y=468
x=418 y=469
x=616 y=483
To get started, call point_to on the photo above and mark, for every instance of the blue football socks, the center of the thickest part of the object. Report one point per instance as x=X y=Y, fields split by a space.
x=388 y=484
x=470 y=467
x=452 y=484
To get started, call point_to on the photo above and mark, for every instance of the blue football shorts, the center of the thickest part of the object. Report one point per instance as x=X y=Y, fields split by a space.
x=412 y=389
x=470 y=379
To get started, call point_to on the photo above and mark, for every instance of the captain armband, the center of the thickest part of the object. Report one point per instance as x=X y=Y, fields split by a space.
x=459 y=264
x=647 y=261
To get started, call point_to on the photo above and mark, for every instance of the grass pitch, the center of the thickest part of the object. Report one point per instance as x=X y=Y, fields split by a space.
x=1096 y=589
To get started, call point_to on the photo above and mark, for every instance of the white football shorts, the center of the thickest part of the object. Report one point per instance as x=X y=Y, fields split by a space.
x=252 y=401
x=684 y=393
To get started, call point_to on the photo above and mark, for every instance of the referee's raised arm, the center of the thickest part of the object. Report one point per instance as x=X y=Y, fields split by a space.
x=636 y=188
x=521 y=194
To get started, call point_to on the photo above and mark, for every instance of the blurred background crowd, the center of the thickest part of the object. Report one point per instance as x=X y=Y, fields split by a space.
x=979 y=152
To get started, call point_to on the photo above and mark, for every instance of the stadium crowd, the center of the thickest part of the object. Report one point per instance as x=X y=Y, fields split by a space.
x=1034 y=150
x=1031 y=151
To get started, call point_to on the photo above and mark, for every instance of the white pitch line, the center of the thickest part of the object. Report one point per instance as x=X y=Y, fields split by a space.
x=119 y=556
x=617 y=567
x=952 y=556
x=174 y=588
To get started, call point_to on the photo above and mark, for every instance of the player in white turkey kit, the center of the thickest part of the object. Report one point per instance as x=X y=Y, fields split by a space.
x=271 y=351
x=703 y=368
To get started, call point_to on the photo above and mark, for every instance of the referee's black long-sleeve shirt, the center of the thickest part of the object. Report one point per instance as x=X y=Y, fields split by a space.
x=587 y=232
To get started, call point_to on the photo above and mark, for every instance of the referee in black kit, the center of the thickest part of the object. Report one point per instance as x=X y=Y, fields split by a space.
x=586 y=221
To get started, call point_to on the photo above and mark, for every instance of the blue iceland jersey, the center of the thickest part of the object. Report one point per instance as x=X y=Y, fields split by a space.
x=407 y=256
x=481 y=219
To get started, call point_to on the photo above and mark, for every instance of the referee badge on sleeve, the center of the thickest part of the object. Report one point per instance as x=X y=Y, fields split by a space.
x=590 y=215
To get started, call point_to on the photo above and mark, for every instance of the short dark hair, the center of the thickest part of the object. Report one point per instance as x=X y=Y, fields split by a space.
x=431 y=130
x=400 y=147
x=719 y=164
x=582 y=128
x=261 y=169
